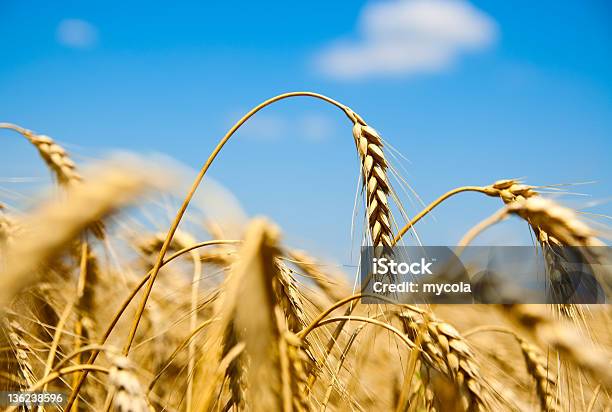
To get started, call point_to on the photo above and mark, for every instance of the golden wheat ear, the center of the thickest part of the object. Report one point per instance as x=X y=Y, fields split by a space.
x=376 y=184
x=444 y=351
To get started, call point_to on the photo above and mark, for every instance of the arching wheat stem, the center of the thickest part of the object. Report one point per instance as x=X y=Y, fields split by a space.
x=376 y=204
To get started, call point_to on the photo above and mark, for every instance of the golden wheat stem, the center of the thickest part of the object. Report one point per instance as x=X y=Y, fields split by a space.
x=508 y=190
x=594 y=398
x=403 y=399
x=78 y=327
x=59 y=329
x=83 y=349
x=180 y=347
x=432 y=205
x=488 y=328
x=324 y=314
x=376 y=322
x=343 y=356
x=193 y=323
x=342 y=322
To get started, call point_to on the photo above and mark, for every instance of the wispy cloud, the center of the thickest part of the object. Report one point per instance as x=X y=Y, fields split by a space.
x=77 y=34
x=265 y=126
x=315 y=127
x=311 y=126
x=406 y=37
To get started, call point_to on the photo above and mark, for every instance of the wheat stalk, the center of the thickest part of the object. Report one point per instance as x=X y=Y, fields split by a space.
x=555 y=220
x=85 y=300
x=180 y=241
x=559 y=224
x=511 y=191
x=194 y=186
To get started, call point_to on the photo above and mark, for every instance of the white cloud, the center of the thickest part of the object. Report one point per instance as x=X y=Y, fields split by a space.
x=405 y=37
x=77 y=34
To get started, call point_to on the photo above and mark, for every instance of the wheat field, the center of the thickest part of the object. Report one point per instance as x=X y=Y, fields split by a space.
x=121 y=318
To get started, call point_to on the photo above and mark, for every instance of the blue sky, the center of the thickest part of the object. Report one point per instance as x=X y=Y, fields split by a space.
x=468 y=92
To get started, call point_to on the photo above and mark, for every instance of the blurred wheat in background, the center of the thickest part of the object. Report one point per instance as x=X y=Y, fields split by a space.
x=121 y=317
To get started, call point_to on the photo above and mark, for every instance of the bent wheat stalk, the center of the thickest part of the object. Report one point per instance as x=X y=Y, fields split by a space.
x=558 y=223
x=378 y=211
x=508 y=190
